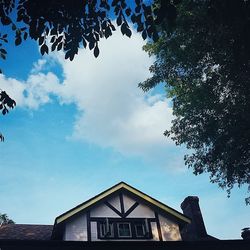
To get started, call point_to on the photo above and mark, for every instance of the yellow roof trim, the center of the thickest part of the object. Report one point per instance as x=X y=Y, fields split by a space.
x=112 y=190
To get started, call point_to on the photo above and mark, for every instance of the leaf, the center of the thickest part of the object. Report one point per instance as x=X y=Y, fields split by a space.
x=3 y=51
x=25 y=35
x=128 y=11
x=96 y=51
x=123 y=28
x=59 y=47
x=84 y=43
x=6 y=20
x=107 y=32
x=1 y=137
x=5 y=111
x=41 y=40
x=119 y=20
x=53 y=31
x=133 y=18
x=53 y=47
x=52 y=39
x=26 y=19
x=155 y=36
x=3 y=56
x=112 y=27
x=44 y=49
x=59 y=39
x=18 y=40
x=67 y=54
x=71 y=57
x=128 y=32
x=114 y=2
x=140 y=28
x=138 y=9
x=91 y=45
x=144 y=34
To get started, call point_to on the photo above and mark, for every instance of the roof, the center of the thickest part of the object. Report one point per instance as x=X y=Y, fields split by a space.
x=25 y=232
x=118 y=187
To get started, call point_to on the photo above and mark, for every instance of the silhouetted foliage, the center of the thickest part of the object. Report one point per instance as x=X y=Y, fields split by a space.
x=205 y=62
x=68 y=25
x=245 y=233
x=4 y=219
x=6 y=103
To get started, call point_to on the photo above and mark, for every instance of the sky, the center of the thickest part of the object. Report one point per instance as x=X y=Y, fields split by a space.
x=81 y=127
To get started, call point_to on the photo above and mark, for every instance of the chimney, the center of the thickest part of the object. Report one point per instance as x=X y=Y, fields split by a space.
x=196 y=230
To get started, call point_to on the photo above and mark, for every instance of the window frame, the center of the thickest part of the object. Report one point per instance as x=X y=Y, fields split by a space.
x=118 y=229
x=132 y=225
x=102 y=226
x=143 y=229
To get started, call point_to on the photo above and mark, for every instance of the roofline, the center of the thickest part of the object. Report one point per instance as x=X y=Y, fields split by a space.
x=113 y=189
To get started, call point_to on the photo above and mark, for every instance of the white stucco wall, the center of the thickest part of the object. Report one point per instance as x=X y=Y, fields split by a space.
x=76 y=229
x=115 y=202
x=102 y=211
x=128 y=202
x=94 y=236
x=154 y=231
x=169 y=230
x=142 y=211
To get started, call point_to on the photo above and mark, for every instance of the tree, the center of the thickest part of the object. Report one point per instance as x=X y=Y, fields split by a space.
x=204 y=61
x=4 y=220
x=69 y=25
x=6 y=103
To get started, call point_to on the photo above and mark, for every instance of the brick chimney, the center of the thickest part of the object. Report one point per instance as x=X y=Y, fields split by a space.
x=196 y=230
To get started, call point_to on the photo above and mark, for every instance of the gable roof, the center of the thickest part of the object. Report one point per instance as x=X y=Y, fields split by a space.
x=25 y=232
x=116 y=188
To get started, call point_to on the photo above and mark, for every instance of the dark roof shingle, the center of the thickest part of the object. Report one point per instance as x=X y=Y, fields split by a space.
x=25 y=232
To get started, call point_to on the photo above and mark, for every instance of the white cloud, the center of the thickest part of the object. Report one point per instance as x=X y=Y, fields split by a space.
x=32 y=93
x=113 y=111
x=38 y=66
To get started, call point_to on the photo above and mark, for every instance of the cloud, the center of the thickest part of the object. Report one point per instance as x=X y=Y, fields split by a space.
x=38 y=66
x=33 y=92
x=112 y=111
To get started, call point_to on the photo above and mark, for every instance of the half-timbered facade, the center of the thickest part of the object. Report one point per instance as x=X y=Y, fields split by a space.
x=120 y=213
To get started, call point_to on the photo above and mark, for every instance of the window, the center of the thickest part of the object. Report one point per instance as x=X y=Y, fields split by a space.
x=124 y=229
x=106 y=229
x=128 y=228
x=139 y=229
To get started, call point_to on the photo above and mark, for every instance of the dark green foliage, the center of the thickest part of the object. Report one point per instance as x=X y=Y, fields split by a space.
x=205 y=62
x=6 y=103
x=4 y=220
x=71 y=24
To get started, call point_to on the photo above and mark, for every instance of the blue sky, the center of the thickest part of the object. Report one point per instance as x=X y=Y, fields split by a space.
x=80 y=127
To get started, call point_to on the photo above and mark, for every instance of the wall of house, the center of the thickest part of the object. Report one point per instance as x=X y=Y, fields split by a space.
x=102 y=211
x=76 y=228
x=170 y=231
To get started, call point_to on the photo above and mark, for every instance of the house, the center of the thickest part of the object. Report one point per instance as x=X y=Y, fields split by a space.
x=120 y=213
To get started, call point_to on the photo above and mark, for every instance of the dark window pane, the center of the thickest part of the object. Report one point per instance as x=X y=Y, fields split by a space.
x=124 y=230
x=106 y=229
x=139 y=229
